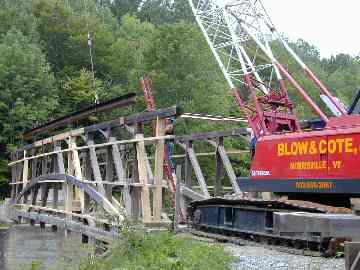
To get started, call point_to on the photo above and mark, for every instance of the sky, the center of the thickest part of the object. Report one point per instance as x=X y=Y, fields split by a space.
x=331 y=25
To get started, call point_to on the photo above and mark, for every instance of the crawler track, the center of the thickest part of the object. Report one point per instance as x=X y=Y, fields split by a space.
x=281 y=246
x=251 y=221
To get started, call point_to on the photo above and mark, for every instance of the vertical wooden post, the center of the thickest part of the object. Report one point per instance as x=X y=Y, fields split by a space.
x=159 y=169
x=75 y=161
x=60 y=168
x=68 y=190
x=34 y=163
x=188 y=168
x=135 y=192
x=87 y=176
x=218 y=175
x=143 y=177
x=177 y=198
x=25 y=176
x=44 y=171
x=109 y=173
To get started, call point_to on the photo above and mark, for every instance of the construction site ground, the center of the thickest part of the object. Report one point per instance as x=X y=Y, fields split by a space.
x=252 y=256
x=256 y=257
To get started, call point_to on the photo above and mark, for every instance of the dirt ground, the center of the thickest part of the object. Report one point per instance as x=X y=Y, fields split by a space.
x=253 y=258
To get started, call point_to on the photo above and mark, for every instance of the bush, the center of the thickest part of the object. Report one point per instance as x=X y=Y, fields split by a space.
x=138 y=250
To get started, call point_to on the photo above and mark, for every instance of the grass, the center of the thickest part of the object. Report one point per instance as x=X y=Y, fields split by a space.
x=138 y=250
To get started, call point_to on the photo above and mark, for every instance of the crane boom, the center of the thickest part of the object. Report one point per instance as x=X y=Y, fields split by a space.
x=240 y=34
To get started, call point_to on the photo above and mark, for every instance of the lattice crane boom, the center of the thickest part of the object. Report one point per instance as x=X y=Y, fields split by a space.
x=240 y=34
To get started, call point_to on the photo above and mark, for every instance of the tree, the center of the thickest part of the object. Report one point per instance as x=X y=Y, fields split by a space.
x=80 y=91
x=27 y=87
x=27 y=92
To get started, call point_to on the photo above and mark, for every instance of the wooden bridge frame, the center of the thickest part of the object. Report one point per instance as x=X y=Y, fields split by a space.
x=68 y=180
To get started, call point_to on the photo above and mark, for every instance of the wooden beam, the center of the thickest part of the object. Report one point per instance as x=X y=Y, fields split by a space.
x=159 y=170
x=143 y=176
x=95 y=165
x=120 y=172
x=135 y=193
x=143 y=117
x=191 y=194
x=228 y=167
x=199 y=175
x=55 y=138
x=214 y=134
x=218 y=175
x=44 y=171
x=188 y=167
x=76 y=165
x=109 y=176
x=25 y=175
x=123 y=142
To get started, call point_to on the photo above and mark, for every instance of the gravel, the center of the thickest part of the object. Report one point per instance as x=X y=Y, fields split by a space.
x=254 y=258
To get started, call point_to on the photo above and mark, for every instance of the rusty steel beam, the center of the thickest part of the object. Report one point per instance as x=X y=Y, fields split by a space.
x=119 y=102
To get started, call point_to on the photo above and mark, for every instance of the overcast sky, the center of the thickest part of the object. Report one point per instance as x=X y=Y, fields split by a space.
x=332 y=26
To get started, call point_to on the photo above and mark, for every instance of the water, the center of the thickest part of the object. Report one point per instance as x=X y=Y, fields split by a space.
x=23 y=244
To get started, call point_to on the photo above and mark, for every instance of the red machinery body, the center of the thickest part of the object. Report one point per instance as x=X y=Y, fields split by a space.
x=325 y=161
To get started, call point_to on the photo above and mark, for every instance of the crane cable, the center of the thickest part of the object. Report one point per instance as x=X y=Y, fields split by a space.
x=90 y=46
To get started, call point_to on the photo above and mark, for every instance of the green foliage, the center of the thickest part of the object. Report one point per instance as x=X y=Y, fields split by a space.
x=138 y=250
x=27 y=91
x=80 y=91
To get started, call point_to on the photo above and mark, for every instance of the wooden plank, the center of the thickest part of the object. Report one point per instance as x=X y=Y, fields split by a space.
x=60 y=168
x=159 y=170
x=191 y=194
x=135 y=193
x=33 y=170
x=109 y=176
x=143 y=117
x=87 y=173
x=120 y=172
x=44 y=171
x=214 y=134
x=55 y=138
x=179 y=202
x=148 y=140
x=95 y=166
x=143 y=177
x=188 y=167
x=198 y=173
x=229 y=169
x=218 y=175
x=148 y=168
x=25 y=175
x=68 y=187
x=75 y=161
